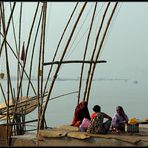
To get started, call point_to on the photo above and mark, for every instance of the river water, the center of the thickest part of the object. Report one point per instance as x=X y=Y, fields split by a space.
x=132 y=95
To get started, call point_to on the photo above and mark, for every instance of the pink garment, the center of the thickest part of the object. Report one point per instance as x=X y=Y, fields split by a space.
x=85 y=123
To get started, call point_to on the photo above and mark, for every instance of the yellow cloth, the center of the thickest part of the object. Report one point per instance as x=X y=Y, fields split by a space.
x=132 y=121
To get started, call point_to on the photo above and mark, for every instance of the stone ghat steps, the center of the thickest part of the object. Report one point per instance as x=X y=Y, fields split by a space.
x=66 y=135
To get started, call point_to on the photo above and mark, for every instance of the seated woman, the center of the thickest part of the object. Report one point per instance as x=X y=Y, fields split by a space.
x=81 y=112
x=96 y=109
x=119 y=120
x=86 y=122
x=97 y=124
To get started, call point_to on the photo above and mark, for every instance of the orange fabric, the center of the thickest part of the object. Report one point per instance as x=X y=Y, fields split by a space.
x=81 y=111
x=77 y=124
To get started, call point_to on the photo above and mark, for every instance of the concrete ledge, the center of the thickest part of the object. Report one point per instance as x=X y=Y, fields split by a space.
x=69 y=136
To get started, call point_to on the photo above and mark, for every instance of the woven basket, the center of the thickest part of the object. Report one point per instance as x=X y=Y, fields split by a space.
x=133 y=128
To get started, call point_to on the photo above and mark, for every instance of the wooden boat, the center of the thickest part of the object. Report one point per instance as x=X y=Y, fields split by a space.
x=24 y=106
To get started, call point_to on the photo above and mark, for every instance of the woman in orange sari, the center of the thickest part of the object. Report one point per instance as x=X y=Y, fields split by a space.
x=81 y=112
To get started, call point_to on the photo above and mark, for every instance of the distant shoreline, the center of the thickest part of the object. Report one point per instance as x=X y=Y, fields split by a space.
x=74 y=79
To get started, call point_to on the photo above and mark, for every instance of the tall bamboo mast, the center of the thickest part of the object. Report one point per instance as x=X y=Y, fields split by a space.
x=19 y=45
x=39 y=66
x=41 y=61
x=13 y=27
x=7 y=28
x=59 y=45
x=94 y=50
x=59 y=65
x=33 y=50
x=86 y=47
x=43 y=51
x=100 y=46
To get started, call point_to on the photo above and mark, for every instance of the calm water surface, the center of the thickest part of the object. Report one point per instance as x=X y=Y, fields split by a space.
x=132 y=95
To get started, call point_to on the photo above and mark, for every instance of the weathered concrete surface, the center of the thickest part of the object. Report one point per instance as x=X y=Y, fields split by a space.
x=70 y=136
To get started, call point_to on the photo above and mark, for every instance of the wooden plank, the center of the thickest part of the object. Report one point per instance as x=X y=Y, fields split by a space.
x=3 y=131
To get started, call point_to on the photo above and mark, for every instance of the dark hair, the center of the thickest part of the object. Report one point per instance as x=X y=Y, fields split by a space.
x=96 y=108
x=119 y=108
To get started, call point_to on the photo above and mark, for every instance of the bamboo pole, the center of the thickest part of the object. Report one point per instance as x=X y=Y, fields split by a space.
x=100 y=46
x=96 y=41
x=3 y=23
x=59 y=45
x=43 y=50
x=13 y=27
x=39 y=66
x=86 y=47
x=74 y=61
x=7 y=28
x=21 y=122
x=63 y=95
x=19 y=43
x=28 y=43
x=20 y=65
x=33 y=50
x=2 y=16
x=41 y=61
x=32 y=56
x=15 y=108
x=59 y=65
x=7 y=62
x=17 y=118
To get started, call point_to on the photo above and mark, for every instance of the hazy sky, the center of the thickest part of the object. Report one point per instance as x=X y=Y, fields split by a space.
x=125 y=47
